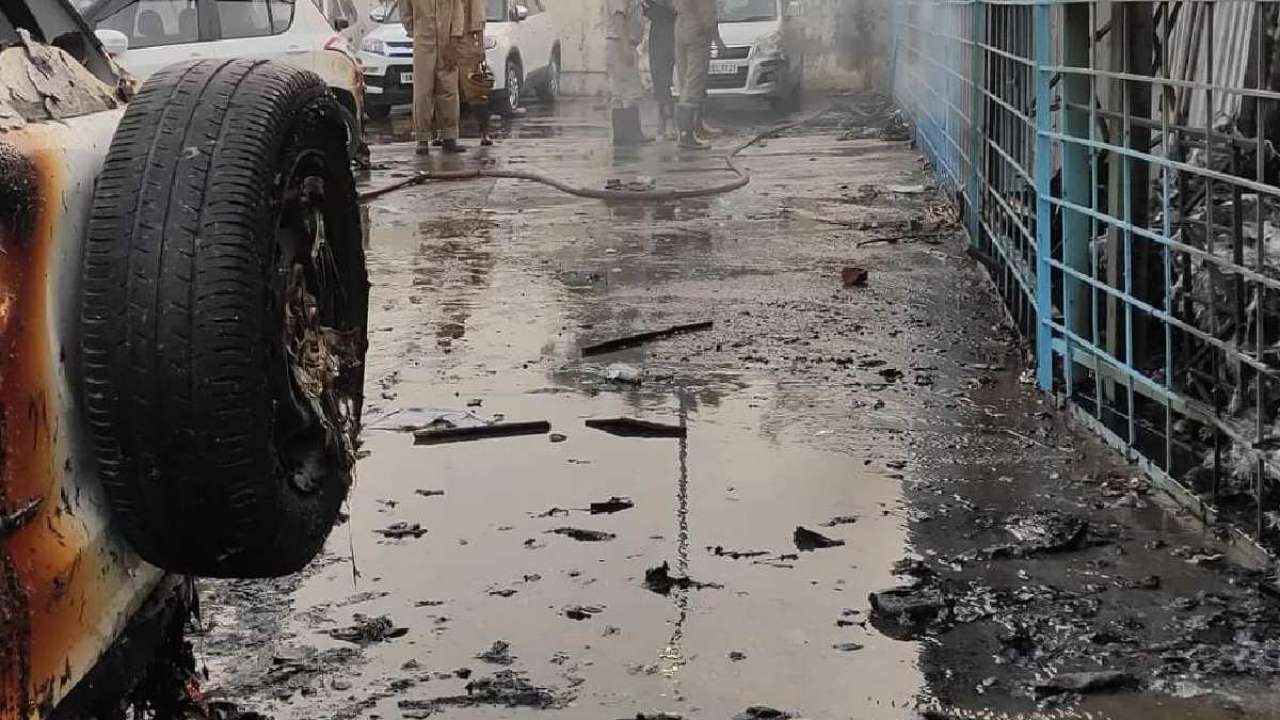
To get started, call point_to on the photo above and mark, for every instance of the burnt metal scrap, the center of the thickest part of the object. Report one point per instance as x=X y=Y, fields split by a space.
x=13 y=521
x=40 y=82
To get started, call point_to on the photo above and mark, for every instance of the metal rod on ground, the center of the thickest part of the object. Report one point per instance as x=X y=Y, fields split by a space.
x=641 y=338
x=482 y=432
x=612 y=195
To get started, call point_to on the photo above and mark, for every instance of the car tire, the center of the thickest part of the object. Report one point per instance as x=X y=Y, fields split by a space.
x=355 y=133
x=377 y=111
x=515 y=86
x=549 y=91
x=223 y=312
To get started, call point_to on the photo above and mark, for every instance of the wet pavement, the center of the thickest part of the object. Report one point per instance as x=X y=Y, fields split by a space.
x=846 y=433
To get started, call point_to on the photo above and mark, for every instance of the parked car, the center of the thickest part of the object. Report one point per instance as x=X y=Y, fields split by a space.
x=521 y=47
x=763 y=54
x=147 y=35
x=184 y=309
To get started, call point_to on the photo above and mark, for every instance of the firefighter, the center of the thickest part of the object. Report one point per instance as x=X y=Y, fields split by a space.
x=662 y=60
x=435 y=26
x=696 y=30
x=624 y=30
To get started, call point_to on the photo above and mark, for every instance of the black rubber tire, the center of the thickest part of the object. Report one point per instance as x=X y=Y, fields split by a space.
x=549 y=90
x=377 y=111
x=515 y=87
x=355 y=132
x=202 y=255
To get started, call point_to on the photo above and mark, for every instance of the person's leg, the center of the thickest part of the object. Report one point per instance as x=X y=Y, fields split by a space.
x=424 y=74
x=690 y=49
x=481 y=111
x=447 y=108
x=704 y=130
x=662 y=66
x=622 y=64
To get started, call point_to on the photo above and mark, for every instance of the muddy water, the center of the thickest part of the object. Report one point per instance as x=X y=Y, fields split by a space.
x=484 y=294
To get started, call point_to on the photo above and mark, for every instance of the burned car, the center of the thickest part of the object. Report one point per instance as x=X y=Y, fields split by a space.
x=183 y=304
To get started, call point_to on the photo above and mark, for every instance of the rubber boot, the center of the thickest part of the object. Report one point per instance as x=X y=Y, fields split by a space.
x=453 y=147
x=686 y=119
x=626 y=127
x=668 y=109
x=664 y=118
x=700 y=129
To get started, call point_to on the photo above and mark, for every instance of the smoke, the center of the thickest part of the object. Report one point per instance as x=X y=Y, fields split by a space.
x=850 y=44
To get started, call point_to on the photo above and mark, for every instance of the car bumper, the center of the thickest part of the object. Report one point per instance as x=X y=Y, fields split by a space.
x=385 y=84
x=384 y=78
x=759 y=78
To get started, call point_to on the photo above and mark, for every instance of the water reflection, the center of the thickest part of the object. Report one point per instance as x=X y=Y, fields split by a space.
x=672 y=656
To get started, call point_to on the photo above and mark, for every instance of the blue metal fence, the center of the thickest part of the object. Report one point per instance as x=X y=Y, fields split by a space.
x=1116 y=167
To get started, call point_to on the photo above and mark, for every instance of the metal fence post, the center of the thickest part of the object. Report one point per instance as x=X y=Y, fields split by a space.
x=977 y=117
x=1077 y=104
x=1043 y=55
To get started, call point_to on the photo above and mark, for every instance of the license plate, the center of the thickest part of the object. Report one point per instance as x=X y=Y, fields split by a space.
x=724 y=68
x=406 y=78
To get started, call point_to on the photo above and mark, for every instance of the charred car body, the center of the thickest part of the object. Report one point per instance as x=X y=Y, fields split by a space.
x=183 y=301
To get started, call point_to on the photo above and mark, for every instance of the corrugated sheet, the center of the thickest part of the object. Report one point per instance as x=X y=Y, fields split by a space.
x=1189 y=54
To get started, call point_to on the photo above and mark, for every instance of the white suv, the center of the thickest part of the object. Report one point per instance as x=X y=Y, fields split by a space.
x=521 y=47
x=764 y=51
x=145 y=36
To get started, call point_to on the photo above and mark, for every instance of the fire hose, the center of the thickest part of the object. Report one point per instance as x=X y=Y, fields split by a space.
x=740 y=181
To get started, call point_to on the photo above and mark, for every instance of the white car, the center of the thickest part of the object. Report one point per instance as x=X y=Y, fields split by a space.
x=763 y=54
x=145 y=36
x=521 y=47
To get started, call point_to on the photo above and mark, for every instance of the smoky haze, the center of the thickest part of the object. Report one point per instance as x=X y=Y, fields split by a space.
x=851 y=46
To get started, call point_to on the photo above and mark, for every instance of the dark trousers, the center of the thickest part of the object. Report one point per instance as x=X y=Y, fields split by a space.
x=662 y=58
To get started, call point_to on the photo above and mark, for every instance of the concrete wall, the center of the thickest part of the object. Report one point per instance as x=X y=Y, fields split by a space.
x=852 y=45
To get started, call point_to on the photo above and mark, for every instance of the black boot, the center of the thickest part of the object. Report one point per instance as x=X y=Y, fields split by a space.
x=686 y=122
x=626 y=127
x=453 y=147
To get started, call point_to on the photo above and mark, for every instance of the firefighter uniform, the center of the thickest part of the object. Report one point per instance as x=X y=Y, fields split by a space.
x=434 y=26
x=696 y=30
x=624 y=31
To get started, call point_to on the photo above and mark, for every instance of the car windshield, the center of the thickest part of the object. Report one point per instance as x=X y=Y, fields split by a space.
x=747 y=10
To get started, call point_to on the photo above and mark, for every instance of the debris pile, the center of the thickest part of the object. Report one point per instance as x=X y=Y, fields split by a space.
x=369 y=630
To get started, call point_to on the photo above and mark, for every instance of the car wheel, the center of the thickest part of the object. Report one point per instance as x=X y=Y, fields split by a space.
x=515 y=86
x=550 y=89
x=223 y=308
x=377 y=111
x=355 y=135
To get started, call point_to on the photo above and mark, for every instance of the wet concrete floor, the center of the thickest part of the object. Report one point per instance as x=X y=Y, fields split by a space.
x=890 y=417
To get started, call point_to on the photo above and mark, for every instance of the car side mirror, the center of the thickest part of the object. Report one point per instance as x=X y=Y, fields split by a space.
x=341 y=24
x=378 y=14
x=520 y=13
x=794 y=9
x=113 y=41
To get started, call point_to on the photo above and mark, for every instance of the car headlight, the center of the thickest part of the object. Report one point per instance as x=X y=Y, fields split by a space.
x=374 y=46
x=490 y=43
x=768 y=45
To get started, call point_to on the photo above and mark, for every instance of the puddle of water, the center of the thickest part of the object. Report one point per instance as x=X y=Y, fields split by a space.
x=724 y=487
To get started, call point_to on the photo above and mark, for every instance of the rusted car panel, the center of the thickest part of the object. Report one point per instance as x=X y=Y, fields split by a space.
x=67 y=584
